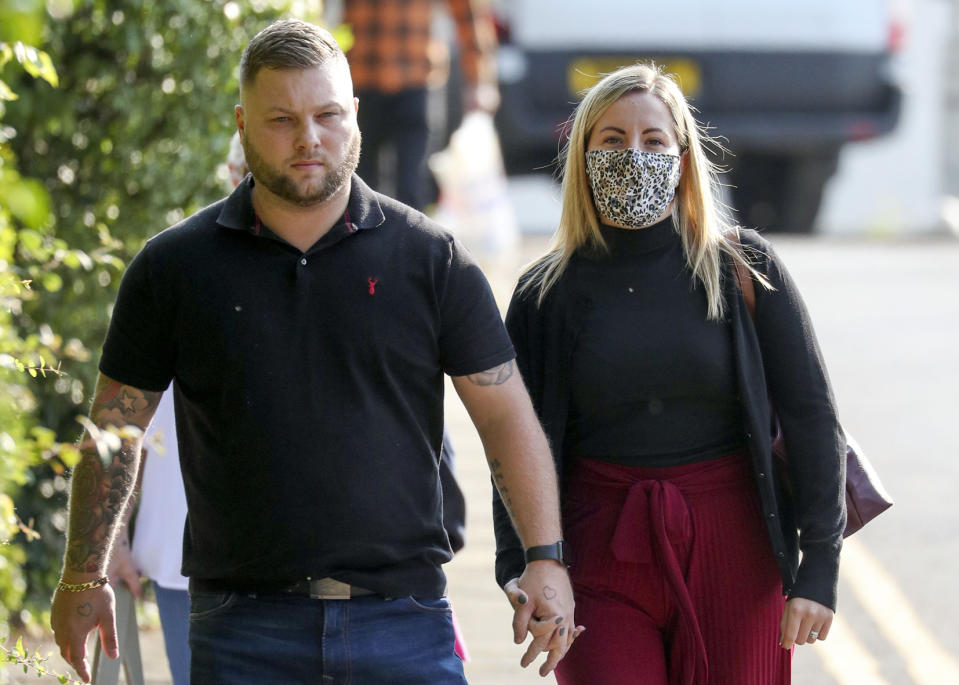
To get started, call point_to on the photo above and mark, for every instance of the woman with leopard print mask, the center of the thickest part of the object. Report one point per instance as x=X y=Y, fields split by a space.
x=653 y=382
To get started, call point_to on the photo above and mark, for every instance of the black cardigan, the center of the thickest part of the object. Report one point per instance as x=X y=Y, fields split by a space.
x=777 y=357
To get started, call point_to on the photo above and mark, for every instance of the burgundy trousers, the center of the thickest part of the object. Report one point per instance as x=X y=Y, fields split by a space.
x=674 y=577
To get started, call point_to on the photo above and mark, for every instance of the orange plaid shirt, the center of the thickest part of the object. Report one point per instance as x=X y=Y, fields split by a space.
x=393 y=49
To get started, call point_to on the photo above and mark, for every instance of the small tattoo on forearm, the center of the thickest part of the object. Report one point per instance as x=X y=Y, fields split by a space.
x=85 y=609
x=548 y=592
x=495 y=376
x=496 y=472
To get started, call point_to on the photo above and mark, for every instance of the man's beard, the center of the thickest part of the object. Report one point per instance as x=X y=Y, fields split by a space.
x=283 y=186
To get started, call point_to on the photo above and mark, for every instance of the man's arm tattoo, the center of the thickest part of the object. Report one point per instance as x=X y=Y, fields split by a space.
x=103 y=478
x=495 y=376
x=496 y=471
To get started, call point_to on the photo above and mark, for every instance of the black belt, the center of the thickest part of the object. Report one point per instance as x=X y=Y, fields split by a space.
x=315 y=588
x=326 y=588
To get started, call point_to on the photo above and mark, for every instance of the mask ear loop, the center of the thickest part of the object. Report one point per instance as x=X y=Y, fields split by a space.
x=682 y=169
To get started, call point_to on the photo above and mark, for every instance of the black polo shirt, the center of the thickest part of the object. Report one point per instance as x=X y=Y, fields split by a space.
x=308 y=386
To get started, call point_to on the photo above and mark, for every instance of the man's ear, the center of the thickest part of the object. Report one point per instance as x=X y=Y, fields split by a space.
x=240 y=122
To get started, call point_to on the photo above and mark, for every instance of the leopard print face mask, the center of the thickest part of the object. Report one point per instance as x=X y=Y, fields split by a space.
x=632 y=187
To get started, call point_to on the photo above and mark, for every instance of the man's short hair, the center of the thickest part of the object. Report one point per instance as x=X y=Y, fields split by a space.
x=288 y=44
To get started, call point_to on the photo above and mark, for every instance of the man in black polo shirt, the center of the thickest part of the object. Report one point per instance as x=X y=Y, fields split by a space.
x=306 y=323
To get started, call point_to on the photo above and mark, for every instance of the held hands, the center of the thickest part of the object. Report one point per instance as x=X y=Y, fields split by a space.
x=542 y=601
x=804 y=621
x=72 y=617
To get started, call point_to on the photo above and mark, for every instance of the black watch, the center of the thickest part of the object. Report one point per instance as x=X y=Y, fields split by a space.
x=558 y=551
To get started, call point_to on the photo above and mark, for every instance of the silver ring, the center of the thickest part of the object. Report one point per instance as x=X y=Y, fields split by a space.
x=813 y=635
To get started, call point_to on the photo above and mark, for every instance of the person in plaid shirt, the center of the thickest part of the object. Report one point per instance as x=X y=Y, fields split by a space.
x=394 y=61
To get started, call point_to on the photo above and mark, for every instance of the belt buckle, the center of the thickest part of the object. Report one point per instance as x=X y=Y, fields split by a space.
x=328 y=588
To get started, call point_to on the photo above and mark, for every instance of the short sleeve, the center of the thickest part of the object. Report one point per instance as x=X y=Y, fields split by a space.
x=472 y=336
x=138 y=349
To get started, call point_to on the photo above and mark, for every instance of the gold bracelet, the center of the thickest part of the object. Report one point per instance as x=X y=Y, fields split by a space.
x=80 y=587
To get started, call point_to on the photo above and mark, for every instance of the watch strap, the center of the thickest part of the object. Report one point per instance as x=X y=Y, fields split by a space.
x=556 y=552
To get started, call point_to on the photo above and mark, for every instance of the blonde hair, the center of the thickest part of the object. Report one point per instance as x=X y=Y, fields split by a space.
x=699 y=216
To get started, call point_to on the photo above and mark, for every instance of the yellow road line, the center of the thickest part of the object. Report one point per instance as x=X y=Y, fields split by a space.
x=845 y=658
x=926 y=660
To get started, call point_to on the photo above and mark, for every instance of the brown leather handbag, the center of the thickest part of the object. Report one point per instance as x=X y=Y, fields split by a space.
x=866 y=497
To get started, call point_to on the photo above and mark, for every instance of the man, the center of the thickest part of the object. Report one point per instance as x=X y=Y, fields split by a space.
x=306 y=323
x=394 y=61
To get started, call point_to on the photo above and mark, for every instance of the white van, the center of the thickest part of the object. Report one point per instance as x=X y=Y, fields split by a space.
x=785 y=84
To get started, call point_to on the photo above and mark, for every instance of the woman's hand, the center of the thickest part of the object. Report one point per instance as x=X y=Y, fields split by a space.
x=804 y=621
x=121 y=568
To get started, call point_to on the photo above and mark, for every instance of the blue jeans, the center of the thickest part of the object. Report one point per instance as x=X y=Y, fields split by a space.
x=276 y=639
x=174 y=607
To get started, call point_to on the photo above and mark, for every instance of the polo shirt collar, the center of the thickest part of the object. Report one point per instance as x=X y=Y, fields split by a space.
x=362 y=210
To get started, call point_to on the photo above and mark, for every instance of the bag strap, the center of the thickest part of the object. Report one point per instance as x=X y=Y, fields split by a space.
x=743 y=277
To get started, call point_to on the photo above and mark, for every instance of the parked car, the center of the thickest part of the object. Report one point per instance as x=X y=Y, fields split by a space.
x=785 y=85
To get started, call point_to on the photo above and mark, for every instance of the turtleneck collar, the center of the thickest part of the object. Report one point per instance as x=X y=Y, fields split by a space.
x=631 y=241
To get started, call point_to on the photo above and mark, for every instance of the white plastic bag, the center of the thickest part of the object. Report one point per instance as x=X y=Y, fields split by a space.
x=473 y=198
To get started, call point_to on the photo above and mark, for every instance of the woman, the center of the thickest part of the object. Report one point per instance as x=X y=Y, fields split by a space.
x=653 y=384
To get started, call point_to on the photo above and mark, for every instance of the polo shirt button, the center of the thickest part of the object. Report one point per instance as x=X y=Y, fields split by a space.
x=780 y=554
x=772 y=515
x=303 y=261
x=762 y=475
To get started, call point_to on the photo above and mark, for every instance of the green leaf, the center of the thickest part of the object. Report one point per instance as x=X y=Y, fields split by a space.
x=6 y=93
x=19 y=647
x=69 y=455
x=52 y=282
x=31 y=240
x=44 y=437
x=35 y=62
x=27 y=199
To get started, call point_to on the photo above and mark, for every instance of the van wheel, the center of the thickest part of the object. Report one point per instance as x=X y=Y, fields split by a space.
x=780 y=193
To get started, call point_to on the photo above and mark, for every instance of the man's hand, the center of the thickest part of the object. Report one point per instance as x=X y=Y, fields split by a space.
x=72 y=617
x=804 y=621
x=542 y=601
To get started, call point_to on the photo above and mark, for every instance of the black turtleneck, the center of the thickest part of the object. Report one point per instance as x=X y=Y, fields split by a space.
x=653 y=382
